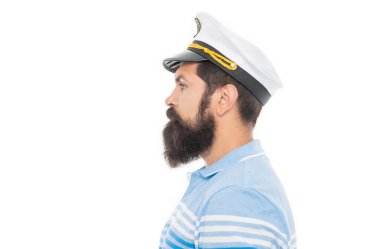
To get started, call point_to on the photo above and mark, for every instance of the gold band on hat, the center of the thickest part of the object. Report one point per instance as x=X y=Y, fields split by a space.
x=217 y=57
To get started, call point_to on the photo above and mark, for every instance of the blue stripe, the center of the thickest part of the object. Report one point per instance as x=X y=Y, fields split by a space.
x=176 y=237
x=169 y=243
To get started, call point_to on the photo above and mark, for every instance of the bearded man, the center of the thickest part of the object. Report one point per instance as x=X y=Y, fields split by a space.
x=236 y=199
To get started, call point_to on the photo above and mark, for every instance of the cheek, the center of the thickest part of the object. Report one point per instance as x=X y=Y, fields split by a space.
x=189 y=105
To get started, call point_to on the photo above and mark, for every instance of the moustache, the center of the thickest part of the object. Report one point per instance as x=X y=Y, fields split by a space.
x=172 y=114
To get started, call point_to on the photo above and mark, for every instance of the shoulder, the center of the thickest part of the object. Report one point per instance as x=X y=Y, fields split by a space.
x=241 y=200
x=244 y=203
x=242 y=215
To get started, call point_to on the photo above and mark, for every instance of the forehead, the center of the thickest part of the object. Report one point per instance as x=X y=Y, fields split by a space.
x=187 y=72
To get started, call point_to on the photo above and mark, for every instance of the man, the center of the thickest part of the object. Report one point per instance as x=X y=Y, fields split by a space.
x=235 y=200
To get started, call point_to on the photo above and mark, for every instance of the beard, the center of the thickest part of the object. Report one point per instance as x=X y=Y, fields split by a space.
x=185 y=142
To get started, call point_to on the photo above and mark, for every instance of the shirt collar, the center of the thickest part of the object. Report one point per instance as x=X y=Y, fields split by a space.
x=250 y=149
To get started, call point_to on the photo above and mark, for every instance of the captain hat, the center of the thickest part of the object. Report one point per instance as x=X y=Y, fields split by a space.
x=238 y=57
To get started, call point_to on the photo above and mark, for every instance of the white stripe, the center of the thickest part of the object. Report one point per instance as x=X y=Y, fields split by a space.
x=208 y=229
x=242 y=219
x=182 y=231
x=227 y=239
x=255 y=155
x=185 y=221
x=176 y=214
x=187 y=211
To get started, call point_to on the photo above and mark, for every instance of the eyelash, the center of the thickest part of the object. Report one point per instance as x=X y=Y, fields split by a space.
x=182 y=85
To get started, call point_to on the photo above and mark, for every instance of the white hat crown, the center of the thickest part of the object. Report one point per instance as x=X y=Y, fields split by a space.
x=244 y=53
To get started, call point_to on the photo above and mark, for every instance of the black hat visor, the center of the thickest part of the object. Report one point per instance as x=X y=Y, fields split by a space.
x=173 y=63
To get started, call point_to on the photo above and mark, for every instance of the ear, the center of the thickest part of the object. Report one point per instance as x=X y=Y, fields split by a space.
x=227 y=96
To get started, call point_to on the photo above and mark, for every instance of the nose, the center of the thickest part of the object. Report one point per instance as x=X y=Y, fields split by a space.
x=171 y=100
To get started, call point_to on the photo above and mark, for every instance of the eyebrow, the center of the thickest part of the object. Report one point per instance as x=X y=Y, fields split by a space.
x=179 y=77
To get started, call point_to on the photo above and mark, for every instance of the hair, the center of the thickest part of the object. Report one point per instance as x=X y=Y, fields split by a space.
x=249 y=106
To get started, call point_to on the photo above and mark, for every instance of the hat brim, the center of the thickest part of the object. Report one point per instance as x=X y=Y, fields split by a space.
x=173 y=63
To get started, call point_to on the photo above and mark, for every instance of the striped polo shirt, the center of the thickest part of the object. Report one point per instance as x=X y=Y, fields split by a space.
x=237 y=202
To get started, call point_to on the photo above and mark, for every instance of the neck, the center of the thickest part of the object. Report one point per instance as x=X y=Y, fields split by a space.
x=222 y=145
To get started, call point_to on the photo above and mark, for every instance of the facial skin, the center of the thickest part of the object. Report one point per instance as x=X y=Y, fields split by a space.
x=191 y=129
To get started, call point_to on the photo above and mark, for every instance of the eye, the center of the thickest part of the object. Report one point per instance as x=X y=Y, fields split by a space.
x=182 y=85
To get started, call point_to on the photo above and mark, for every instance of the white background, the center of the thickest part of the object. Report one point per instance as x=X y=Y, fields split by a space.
x=82 y=93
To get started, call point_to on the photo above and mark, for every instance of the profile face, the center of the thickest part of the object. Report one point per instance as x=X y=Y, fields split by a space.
x=188 y=91
x=191 y=127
